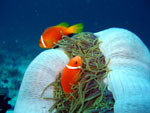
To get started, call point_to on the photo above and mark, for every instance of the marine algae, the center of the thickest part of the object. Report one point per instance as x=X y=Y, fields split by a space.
x=89 y=94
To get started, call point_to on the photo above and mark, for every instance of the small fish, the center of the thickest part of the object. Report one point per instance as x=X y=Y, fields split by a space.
x=53 y=34
x=71 y=74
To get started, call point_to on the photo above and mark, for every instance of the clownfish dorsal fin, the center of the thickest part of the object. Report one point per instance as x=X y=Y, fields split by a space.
x=63 y=24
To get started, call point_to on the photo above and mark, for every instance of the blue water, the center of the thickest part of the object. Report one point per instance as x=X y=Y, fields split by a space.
x=23 y=21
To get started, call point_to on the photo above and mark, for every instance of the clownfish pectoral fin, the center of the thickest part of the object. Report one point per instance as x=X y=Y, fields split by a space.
x=77 y=28
x=50 y=43
x=63 y=24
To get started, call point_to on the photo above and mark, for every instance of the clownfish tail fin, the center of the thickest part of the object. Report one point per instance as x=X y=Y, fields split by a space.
x=77 y=28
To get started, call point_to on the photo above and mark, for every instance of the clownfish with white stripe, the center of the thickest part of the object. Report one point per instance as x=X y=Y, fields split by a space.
x=71 y=74
x=53 y=34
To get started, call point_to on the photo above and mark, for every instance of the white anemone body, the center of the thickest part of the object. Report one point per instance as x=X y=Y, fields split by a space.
x=129 y=80
x=41 y=72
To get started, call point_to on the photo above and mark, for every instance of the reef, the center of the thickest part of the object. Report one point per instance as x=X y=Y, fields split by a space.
x=90 y=94
x=12 y=68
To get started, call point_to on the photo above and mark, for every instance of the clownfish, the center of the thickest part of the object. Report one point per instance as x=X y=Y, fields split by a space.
x=53 y=34
x=71 y=74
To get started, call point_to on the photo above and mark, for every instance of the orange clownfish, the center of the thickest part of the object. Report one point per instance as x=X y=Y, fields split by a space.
x=53 y=34
x=71 y=74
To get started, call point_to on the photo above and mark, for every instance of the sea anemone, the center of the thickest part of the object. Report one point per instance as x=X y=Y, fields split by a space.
x=128 y=79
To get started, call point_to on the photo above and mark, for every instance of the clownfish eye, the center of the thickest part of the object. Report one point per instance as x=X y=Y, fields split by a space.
x=75 y=62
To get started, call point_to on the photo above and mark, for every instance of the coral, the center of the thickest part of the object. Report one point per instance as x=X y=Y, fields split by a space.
x=10 y=82
x=11 y=73
x=9 y=77
x=4 y=103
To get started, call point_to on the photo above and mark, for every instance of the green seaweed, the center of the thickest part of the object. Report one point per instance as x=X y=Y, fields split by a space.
x=89 y=93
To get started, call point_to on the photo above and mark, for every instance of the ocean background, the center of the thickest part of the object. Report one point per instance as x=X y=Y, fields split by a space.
x=23 y=21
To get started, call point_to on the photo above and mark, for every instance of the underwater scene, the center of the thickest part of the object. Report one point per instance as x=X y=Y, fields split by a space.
x=75 y=56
